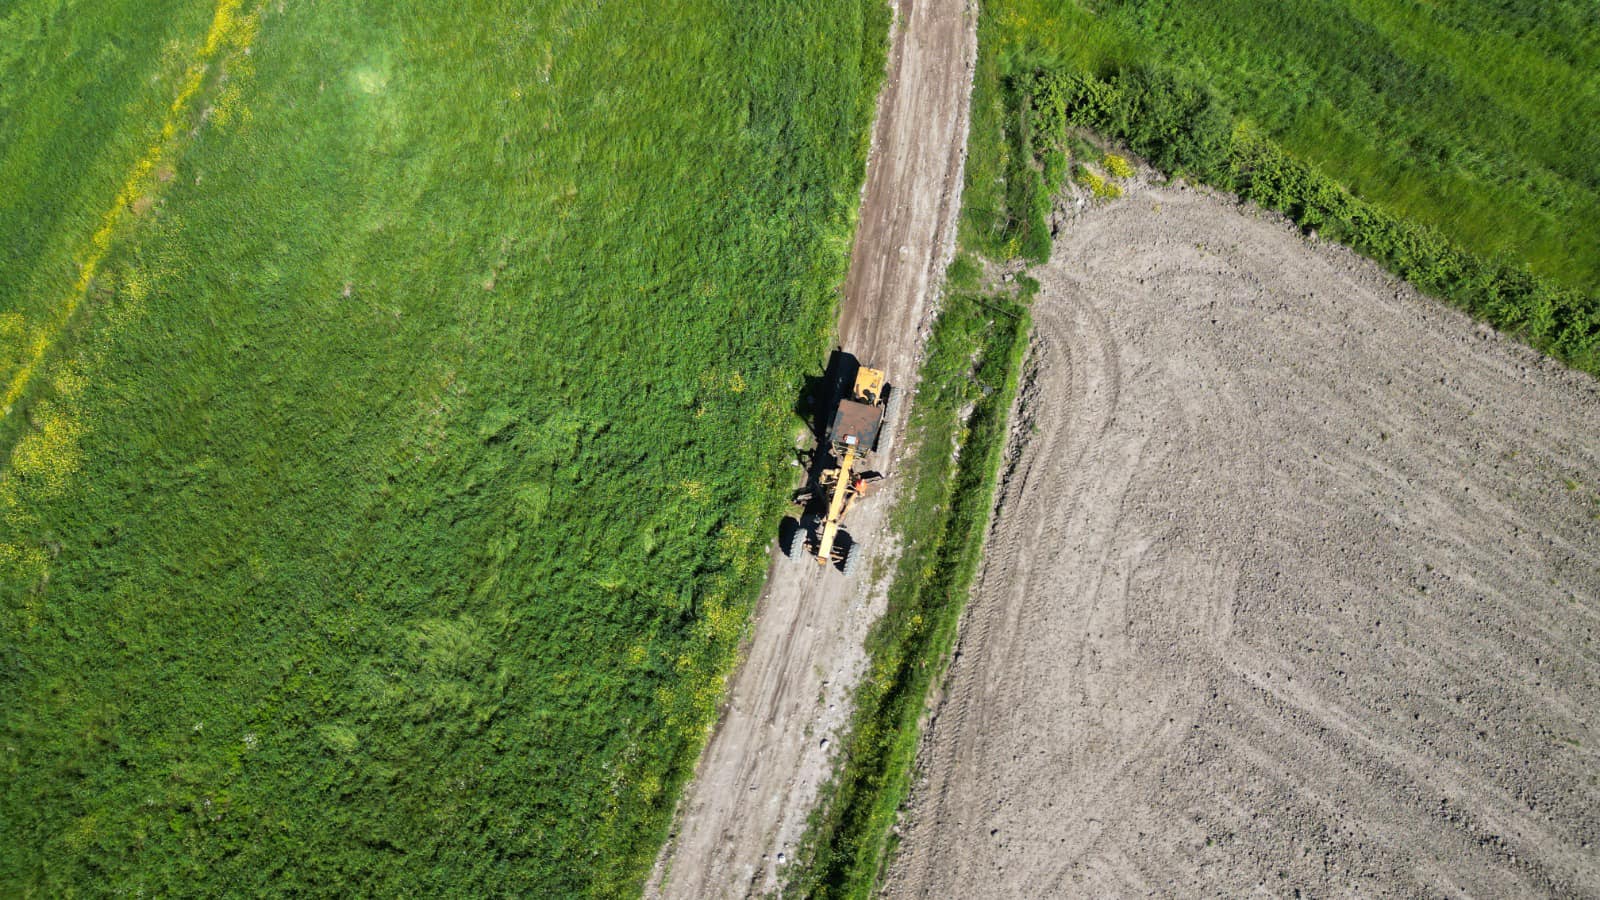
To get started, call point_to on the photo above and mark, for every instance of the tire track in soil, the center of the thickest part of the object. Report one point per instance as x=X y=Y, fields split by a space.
x=742 y=814
x=1294 y=584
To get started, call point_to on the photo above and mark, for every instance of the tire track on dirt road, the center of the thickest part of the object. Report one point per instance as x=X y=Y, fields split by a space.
x=740 y=817
x=1066 y=493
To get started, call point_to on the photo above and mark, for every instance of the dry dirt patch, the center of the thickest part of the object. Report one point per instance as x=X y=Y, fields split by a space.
x=1295 y=585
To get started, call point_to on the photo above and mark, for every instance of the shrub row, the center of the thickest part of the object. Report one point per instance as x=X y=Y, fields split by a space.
x=1184 y=127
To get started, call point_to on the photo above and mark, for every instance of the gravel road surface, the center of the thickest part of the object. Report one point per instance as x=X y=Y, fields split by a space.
x=757 y=780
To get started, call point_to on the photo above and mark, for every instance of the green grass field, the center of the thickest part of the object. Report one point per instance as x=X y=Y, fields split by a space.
x=399 y=401
x=1478 y=119
x=83 y=100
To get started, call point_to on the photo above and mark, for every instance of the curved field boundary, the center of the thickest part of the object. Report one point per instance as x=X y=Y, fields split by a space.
x=1292 y=589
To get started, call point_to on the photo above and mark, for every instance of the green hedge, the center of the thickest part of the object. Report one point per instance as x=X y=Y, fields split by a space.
x=1184 y=127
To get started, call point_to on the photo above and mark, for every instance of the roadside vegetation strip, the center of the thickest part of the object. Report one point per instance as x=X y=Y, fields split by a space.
x=958 y=434
x=422 y=465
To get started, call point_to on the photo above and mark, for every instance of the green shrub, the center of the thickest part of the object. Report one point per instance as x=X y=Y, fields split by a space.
x=1083 y=151
x=1036 y=235
x=1181 y=126
x=1056 y=167
x=1100 y=187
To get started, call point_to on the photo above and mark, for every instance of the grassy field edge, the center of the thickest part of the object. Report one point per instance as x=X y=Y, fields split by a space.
x=1185 y=128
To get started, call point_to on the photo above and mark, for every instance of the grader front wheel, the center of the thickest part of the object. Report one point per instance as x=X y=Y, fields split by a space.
x=796 y=550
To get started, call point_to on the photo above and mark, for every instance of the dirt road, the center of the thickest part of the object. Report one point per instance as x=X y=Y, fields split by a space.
x=1295 y=587
x=740 y=817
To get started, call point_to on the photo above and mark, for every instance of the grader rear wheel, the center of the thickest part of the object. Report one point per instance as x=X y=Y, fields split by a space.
x=891 y=409
x=850 y=559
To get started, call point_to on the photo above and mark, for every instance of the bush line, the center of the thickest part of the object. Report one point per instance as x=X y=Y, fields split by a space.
x=1183 y=127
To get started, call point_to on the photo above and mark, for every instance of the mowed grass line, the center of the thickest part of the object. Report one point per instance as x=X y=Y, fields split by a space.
x=84 y=96
x=226 y=41
x=416 y=464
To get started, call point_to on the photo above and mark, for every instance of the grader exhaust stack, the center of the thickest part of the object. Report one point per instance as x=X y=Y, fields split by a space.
x=852 y=437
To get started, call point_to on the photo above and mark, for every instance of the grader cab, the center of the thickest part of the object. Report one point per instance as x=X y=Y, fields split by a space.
x=852 y=437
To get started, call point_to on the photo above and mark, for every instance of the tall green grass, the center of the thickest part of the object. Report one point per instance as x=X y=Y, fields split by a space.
x=387 y=520
x=1475 y=119
x=82 y=96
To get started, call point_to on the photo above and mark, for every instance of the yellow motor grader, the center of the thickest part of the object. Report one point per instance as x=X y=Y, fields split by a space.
x=853 y=436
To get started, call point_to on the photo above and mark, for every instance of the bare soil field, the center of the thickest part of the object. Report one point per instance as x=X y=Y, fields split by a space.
x=757 y=780
x=1294 y=588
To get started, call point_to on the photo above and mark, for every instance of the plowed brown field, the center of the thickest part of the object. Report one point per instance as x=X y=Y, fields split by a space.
x=1294 y=586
